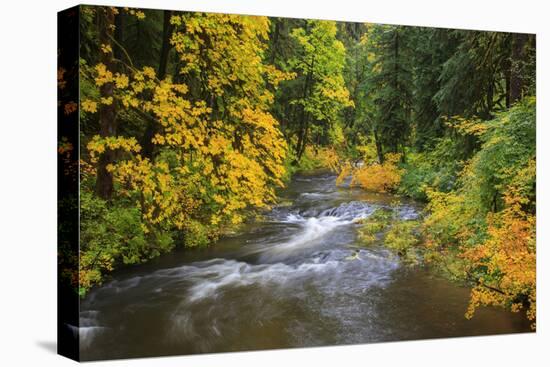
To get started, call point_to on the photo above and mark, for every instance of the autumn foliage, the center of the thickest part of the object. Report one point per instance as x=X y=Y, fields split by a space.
x=379 y=177
x=481 y=228
x=489 y=222
x=217 y=152
x=186 y=137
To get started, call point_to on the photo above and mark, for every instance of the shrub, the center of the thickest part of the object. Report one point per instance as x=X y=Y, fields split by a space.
x=436 y=170
x=374 y=226
x=402 y=237
x=379 y=177
x=197 y=234
x=113 y=235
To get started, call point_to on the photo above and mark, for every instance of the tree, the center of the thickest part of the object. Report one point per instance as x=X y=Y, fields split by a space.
x=522 y=66
x=355 y=118
x=319 y=64
x=432 y=48
x=218 y=150
x=390 y=80
x=223 y=60
x=473 y=78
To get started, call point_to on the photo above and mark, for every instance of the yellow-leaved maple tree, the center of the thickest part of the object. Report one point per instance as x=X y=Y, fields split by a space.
x=218 y=148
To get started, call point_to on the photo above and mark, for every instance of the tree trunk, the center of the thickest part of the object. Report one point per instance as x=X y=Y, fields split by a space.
x=166 y=46
x=302 y=134
x=490 y=97
x=119 y=37
x=107 y=113
x=146 y=140
x=275 y=40
x=395 y=143
x=379 y=150
x=302 y=147
x=518 y=54
x=508 y=87
x=507 y=66
x=304 y=124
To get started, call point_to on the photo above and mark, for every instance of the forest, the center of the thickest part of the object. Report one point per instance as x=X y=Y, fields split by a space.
x=191 y=124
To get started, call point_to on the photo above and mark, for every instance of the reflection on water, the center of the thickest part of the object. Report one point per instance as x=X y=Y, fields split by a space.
x=294 y=280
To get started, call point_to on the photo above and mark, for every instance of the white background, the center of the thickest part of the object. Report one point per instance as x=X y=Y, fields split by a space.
x=28 y=181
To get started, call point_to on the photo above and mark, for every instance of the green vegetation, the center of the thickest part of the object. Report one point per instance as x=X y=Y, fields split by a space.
x=467 y=150
x=489 y=219
x=400 y=236
x=437 y=168
x=192 y=121
x=373 y=226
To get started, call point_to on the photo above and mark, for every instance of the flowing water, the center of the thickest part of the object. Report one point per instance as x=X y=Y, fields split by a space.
x=296 y=278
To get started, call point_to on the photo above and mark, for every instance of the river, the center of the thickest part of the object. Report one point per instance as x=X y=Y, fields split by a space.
x=295 y=278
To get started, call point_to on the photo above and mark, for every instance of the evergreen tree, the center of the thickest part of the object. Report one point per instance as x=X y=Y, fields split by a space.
x=474 y=79
x=432 y=48
x=355 y=74
x=391 y=82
